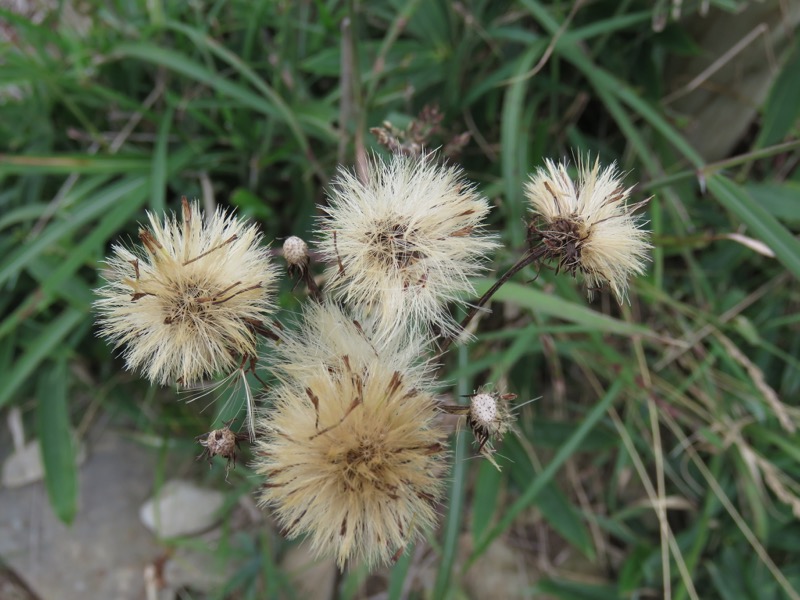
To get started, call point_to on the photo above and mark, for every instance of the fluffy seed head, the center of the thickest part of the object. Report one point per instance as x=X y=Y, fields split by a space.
x=587 y=226
x=404 y=242
x=351 y=449
x=184 y=302
x=295 y=251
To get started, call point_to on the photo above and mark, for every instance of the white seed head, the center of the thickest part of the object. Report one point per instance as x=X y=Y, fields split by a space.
x=183 y=303
x=403 y=243
x=588 y=225
x=351 y=449
x=483 y=409
x=295 y=251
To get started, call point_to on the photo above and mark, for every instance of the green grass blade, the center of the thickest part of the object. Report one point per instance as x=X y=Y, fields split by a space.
x=283 y=110
x=399 y=573
x=51 y=287
x=782 y=108
x=50 y=337
x=512 y=138
x=452 y=524
x=66 y=164
x=762 y=224
x=185 y=66
x=56 y=440
x=549 y=472
x=554 y=306
x=83 y=214
x=485 y=496
x=607 y=84
x=158 y=183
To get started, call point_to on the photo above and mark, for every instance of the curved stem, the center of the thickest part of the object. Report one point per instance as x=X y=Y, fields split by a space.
x=526 y=259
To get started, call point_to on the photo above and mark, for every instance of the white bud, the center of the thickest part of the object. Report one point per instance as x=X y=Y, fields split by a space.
x=295 y=251
x=484 y=409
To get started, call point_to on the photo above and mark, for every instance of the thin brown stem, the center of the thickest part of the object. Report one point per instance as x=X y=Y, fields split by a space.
x=231 y=239
x=528 y=258
x=313 y=288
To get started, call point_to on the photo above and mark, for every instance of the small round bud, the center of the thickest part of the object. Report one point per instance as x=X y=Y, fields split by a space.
x=488 y=417
x=295 y=251
x=221 y=442
x=483 y=409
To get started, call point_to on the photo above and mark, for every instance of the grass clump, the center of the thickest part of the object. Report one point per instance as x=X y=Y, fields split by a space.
x=661 y=458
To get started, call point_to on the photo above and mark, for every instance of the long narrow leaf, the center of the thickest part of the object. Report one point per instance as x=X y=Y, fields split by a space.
x=562 y=455
x=41 y=347
x=55 y=438
x=553 y=306
x=762 y=223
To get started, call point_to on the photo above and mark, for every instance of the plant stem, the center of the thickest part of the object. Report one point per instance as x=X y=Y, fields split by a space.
x=529 y=257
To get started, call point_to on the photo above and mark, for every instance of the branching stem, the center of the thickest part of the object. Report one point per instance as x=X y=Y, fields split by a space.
x=531 y=256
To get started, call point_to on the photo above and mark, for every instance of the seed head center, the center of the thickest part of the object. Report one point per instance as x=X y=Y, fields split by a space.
x=393 y=245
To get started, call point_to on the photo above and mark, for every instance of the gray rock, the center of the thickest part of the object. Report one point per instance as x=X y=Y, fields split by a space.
x=181 y=508
x=24 y=466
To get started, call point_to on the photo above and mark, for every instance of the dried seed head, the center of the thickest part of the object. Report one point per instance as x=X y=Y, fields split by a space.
x=184 y=302
x=295 y=251
x=221 y=442
x=403 y=243
x=351 y=449
x=483 y=409
x=587 y=226
x=488 y=417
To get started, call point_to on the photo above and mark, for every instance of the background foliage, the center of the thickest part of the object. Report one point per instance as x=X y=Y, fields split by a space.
x=662 y=458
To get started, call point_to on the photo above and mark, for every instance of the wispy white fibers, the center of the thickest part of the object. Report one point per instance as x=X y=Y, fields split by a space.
x=404 y=243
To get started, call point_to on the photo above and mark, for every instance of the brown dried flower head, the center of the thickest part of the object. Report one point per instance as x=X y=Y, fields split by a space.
x=351 y=449
x=221 y=442
x=587 y=226
x=186 y=303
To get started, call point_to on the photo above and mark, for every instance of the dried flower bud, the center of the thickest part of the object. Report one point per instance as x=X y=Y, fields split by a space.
x=295 y=251
x=489 y=418
x=221 y=442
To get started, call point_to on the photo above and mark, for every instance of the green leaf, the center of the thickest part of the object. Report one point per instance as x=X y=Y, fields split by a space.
x=56 y=440
x=761 y=223
x=782 y=108
x=67 y=164
x=514 y=138
x=41 y=347
x=456 y=492
x=397 y=579
x=575 y=590
x=548 y=473
x=59 y=280
x=158 y=183
x=484 y=500
x=82 y=214
x=545 y=304
x=554 y=505
x=781 y=200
